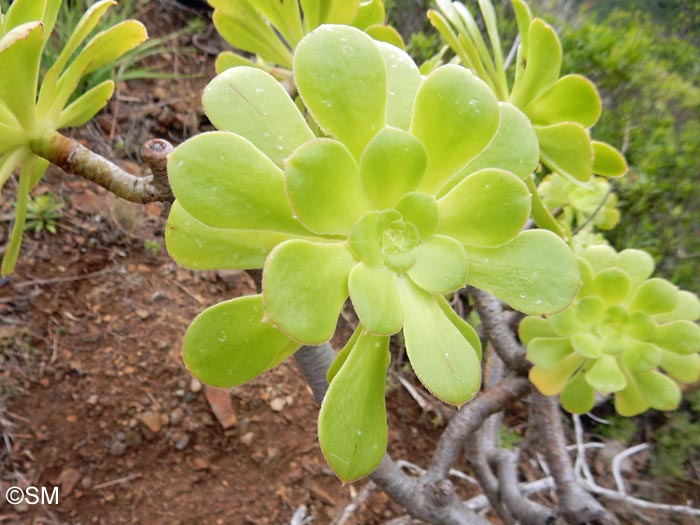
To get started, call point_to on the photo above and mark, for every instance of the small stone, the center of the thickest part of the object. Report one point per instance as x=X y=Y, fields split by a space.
x=86 y=483
x=151 y=420
x=68 y=479
x=273 y=453
x=219 y=400
x=93 y=399
x=44 y=381
x=182 y=441
x=277 y=404
x=117 y=448
x=143 y=314
x=133 y=438
x=176 y=416
x=247 y=438
x=201 y=464
x=195 y=385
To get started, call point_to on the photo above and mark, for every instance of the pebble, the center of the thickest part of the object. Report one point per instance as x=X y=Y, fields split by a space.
x=176 y=416
x=182 y=441
x=278 y=403
x=247 y=438
x=117 y=448
x=195 y=385
x=151 y=420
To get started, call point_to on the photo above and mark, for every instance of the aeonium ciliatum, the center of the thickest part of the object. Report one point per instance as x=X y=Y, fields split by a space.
x=625 y=334
x=414 y=191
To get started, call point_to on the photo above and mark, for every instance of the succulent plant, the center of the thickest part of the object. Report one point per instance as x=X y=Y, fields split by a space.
x=591 y=205
x=29 y=114
x=272 y=30
x=562 y=109
x=625 y=334
x=414 y=190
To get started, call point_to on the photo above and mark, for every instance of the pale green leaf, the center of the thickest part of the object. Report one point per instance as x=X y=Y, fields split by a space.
x=370 y=12
x=682 y=337
x=364 y=238
x=375 y=296
x=86 y=24
x=386 y=34
x=640 y=356
x=660 y=391
x=324 y=187
x=637 y=264
x=572 y=98
x=249 y=102
x=342 y=79
x=488 y=208
x=541 y=63
x=455 y=116
x=566 y=149
x=15 y=242
x=605 y=375
x=19 y=64
x=228 y=344
x=535 y=273
x=403 y=80
x=284 y=16
x=421 y=210
x=655 y=296
x=444 y=361
x=86 y=106
x=102 y=49
x=532 y=327
x=242 y=26
x=195 y=245
x=222 y=180
x=441 y=265
x=514 y=148
x=607 y=161
x=9 y=162
x=578 y=397
x=629 y=401
x=548 y=352
x=229 y=59
x=391 y=165
x=682 y=368
x=352 y=427
x=587 y=345
x=611 y=285
x=687 y=309
x=551 y=381
x=305 y=285
x=599 y=257
x=342 y=356
x=11 y=138
x=463 y=326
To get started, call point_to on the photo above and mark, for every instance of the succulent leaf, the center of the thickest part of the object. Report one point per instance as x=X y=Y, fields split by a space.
x=227 y=345
x=352 y=423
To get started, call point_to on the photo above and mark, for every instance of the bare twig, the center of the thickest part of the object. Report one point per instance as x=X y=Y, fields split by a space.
x=117 y=481
x=355 y=504
x=617 y=462
x=585 y=477
x=72 y=157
